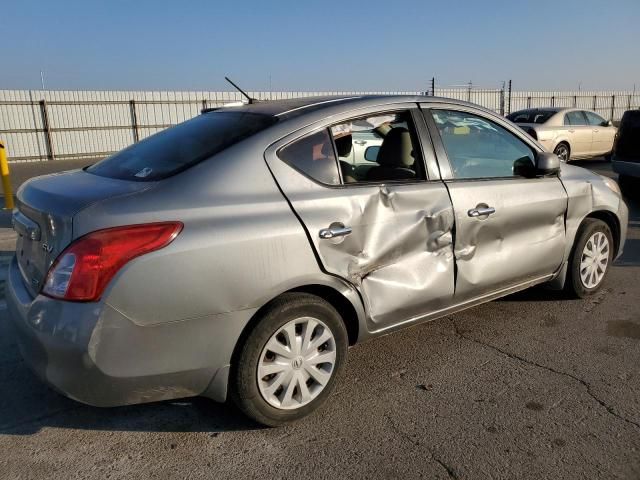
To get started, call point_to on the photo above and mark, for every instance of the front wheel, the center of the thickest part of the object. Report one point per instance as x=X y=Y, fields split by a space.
x=287 y=366
x=563 y=152
x=591 y=258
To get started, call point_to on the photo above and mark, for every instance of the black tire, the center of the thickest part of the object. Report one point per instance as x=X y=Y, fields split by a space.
x=563 y=150
x=243 y=384
x=574 y=285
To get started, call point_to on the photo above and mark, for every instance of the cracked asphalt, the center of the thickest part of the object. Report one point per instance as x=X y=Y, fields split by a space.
x=531 y=386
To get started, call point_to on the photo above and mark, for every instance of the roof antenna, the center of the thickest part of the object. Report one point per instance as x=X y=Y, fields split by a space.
x=249 y=99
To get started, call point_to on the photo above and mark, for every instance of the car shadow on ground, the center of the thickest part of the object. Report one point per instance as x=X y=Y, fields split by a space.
x=49 y=409
x=27 y=405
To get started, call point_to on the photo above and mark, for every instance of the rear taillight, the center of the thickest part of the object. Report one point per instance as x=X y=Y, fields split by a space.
x=84 y=268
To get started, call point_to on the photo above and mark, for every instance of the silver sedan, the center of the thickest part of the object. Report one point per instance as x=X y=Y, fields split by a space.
x=238 y=255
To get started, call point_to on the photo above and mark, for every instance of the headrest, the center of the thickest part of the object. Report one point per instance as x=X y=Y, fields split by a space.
x=396 y=149
x=344 y=145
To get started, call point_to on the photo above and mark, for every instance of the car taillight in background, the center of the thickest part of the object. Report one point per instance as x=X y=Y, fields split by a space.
x=83 y=270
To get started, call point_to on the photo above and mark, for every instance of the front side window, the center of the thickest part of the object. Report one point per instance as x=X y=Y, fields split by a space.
x=594 y=119
x=313 y=156
x=480 y=148
x=378 y=148
x=576 y=118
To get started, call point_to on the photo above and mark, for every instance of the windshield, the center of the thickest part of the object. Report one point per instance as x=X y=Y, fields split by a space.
x=531 y=116
x=178 y=148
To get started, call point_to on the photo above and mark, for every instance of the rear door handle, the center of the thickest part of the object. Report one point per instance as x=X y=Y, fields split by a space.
x=334 y=231
x=481 y=211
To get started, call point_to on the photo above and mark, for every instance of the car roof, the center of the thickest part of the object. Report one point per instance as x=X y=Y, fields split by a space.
x=285 y=109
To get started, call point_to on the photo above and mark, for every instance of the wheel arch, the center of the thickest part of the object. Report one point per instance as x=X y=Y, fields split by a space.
x=351 y=315
x=612 y=222
x=562 y=140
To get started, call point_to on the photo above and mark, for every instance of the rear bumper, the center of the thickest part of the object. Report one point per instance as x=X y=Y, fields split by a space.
x=95 y=355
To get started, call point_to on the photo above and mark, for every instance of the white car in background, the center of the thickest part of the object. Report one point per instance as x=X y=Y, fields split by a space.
x=570 y=133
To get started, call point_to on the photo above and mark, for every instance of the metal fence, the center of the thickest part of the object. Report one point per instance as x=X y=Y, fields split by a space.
x=50 y=125
x=609 y=104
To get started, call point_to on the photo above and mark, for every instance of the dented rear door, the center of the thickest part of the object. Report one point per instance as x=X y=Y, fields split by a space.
x=399 y=252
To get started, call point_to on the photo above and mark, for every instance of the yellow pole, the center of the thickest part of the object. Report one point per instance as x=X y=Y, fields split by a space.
x=4 y=172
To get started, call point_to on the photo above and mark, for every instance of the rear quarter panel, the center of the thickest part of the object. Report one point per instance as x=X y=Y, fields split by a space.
x=240 y=247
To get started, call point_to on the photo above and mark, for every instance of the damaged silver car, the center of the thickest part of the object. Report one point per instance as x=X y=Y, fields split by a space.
x=238 y=255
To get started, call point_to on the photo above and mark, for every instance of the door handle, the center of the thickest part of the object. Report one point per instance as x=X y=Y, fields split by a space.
x=571 y=130
x=480 y=211
x=360 y=142
x=596 y=130
x=334 y=231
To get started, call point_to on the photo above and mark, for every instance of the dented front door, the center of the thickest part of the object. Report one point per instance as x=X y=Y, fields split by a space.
x=508 y=231
x=509 y=228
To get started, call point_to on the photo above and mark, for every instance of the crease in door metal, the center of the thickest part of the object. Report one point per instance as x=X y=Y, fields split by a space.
x=400 y=251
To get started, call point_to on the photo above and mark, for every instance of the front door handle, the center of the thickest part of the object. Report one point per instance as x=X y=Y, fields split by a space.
x=481 y=211
x=334 y=231
x=360 y=142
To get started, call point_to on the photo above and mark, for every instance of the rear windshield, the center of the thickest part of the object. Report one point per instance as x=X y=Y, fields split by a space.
x=531 y=116
x=178 y=148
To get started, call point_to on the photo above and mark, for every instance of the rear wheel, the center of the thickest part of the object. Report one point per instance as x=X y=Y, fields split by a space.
x=591 y=258
x=563 y=151
x=289 y=362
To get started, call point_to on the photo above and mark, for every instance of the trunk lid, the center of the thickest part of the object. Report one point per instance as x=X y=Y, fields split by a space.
x=43 y=217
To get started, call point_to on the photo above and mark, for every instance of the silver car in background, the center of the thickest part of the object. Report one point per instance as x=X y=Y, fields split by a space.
x=239 y=254
x=570 y=133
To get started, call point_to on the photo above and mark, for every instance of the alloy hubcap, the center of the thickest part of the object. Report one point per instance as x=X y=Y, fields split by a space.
x=296 y=363
x=562 y=152
x=594 y=260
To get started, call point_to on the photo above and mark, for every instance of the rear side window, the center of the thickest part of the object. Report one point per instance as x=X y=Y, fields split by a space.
x=178 y=148
x=575 y=118
x=313 y=156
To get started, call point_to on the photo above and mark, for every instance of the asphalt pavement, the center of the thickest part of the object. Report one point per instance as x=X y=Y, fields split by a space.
x=534 y=385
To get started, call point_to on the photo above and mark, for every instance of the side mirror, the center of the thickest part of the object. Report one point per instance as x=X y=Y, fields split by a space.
x=524 y=167
x=371 y=153
x=547 y=163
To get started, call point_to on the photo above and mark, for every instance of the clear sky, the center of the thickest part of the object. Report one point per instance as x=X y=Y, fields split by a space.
x=328 y=45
